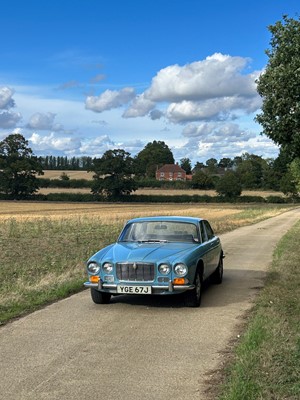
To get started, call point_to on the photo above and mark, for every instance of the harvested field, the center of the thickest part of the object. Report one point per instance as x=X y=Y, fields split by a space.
x=107 y=212
x=112 y=213
x=55 y=174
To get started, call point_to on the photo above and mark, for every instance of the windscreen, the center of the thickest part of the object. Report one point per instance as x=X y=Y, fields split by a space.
x=169 y=231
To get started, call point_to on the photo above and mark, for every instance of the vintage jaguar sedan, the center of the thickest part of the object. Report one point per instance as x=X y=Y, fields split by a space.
x=157 y=255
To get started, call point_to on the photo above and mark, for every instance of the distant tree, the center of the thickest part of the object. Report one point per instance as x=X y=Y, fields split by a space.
x=199 y=166
x=225 y=162
x=279 y=87
x=18 y=167
x=212 y=166
x=185 y=164
x=86 y=163
x=113 y=174
x=229 y=185
x=237 y=161
x=294 y=168
x=200 y=180
x=270 y=179
x=154 y=155
x=288 y=185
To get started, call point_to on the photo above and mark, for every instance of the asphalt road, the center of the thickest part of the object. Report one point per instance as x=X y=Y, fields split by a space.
x=137 y=347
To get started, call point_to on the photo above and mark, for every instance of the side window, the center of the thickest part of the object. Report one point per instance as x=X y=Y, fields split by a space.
x=202 y=231
x=209 y=231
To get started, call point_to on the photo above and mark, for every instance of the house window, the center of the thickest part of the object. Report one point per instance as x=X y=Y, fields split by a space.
x=162 y=174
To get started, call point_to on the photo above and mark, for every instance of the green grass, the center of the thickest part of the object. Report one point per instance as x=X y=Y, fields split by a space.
x=44 y=260
x=266 y=363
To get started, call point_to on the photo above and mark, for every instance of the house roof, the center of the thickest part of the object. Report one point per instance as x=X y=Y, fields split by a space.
x=171 y=168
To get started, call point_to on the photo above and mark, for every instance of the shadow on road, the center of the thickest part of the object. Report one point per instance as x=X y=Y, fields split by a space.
x=234 y=289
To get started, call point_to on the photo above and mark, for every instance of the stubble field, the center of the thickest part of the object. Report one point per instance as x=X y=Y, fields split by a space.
x=44 y=246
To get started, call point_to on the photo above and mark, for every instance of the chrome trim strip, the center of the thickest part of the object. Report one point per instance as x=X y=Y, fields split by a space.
x=175 y=287
x=100 y=285
x=169 y=288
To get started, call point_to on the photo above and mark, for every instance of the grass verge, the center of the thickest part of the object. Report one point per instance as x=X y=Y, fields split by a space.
x=266 y=362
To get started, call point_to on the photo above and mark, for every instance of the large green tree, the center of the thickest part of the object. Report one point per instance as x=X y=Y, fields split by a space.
x=201 y=180
x=279 y=87
x=251 y=171
x=229 y=185
x=154 y=155
x=18 y=167
x=113 y=174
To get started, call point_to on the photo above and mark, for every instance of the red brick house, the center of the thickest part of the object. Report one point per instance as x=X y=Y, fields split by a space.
x=171 y=172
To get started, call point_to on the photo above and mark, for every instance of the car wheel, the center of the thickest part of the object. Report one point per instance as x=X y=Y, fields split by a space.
x=193 y=297
x=100 y=297
x=217 y=276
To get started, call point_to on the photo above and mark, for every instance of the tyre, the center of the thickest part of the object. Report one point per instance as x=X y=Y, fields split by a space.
x=217 y=276
x=100 y=297
x=193 y=297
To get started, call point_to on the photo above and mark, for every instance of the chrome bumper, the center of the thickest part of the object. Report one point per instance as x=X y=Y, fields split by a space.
x=112 y=288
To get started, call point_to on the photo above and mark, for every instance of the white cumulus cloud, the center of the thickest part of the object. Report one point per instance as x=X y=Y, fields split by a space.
x=217 y=131
x=51 y=142
x=6 y=100
x=97 y=146
x=109 y=99
x=139 y=107
x=217 y=76
x=9 y=119
x=212 y=109
x=43 y=121
x=215 y=88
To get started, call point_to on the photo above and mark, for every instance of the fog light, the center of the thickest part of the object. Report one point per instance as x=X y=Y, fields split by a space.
x=94 y=279
x=179 y=281
x=163 y=279
x=108 y=278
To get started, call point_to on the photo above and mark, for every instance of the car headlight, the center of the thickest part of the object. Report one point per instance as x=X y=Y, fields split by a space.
x=107 y=267
x=93 y=268
x=180 y=269
x=164 y=269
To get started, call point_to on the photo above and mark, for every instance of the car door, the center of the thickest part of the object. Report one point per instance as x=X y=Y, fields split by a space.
x=213 y=246
x=206 y=257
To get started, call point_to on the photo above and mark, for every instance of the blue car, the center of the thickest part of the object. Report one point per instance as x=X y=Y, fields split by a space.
x=157 y=255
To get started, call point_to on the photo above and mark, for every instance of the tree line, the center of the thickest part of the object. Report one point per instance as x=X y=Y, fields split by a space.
x=117 y=174
x=64 y=163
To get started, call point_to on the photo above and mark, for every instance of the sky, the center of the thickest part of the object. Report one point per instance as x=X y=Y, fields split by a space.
x=80 y=77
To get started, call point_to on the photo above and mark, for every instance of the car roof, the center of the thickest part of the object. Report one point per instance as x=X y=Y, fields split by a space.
x=170 y=218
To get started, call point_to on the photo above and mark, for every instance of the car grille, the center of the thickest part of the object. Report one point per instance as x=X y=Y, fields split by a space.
x=135 y=271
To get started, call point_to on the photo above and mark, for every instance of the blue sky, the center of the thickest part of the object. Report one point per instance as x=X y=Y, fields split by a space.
x=81 y=77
